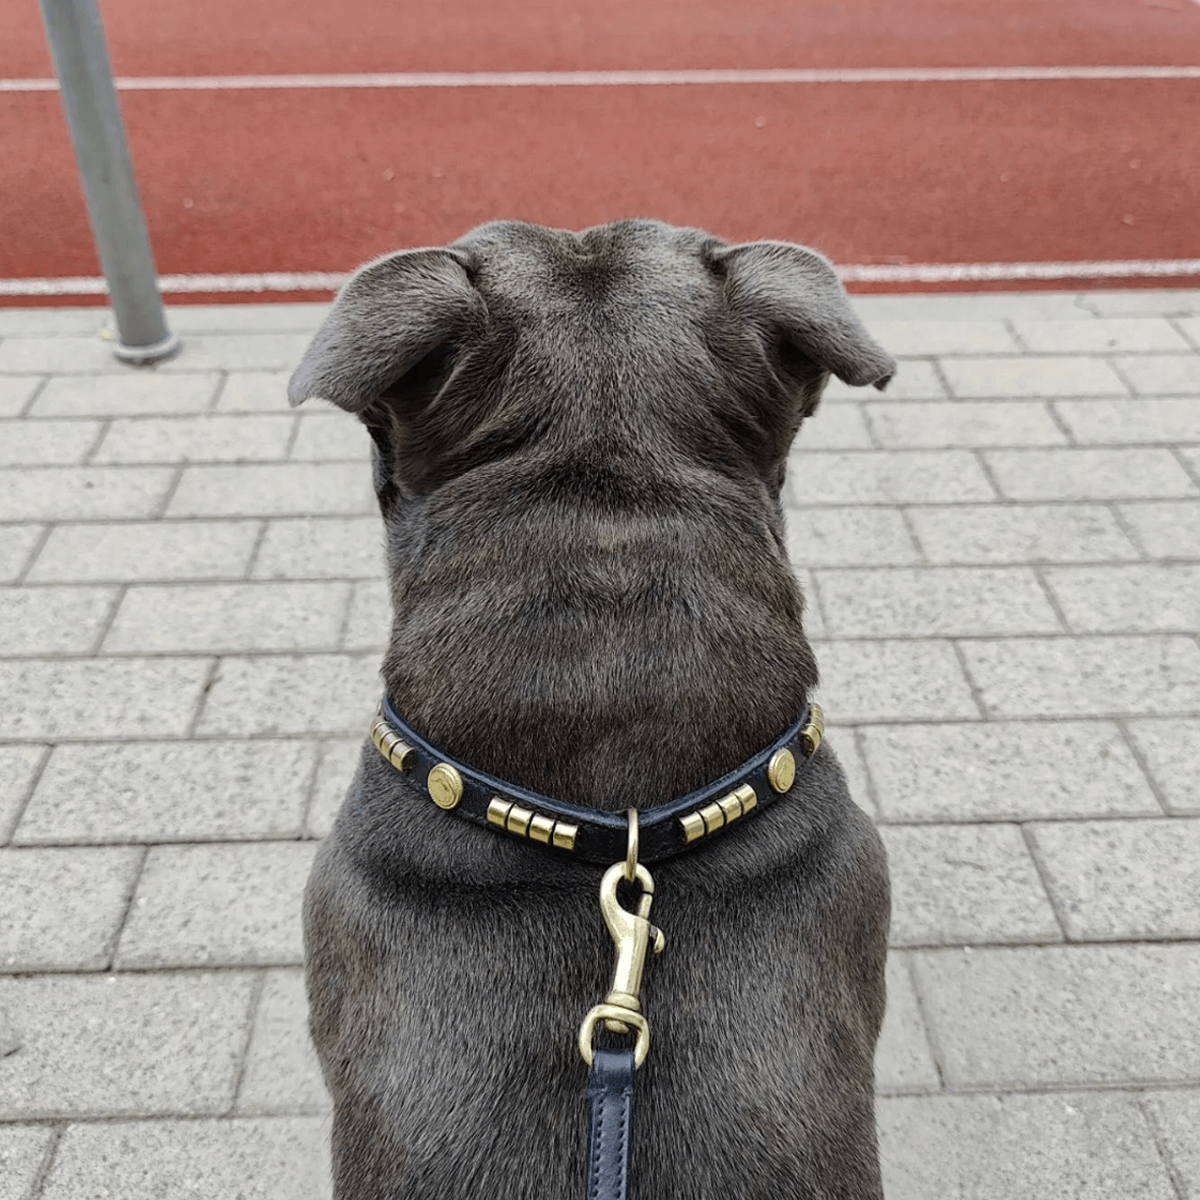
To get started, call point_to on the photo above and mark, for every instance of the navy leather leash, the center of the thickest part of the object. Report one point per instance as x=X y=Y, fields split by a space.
x=593 y=836
x=610 y=1124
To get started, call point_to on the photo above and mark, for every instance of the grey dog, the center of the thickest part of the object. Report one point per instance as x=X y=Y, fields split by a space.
x=579 y=443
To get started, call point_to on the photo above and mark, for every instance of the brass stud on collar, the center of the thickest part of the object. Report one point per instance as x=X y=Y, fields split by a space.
x=810 y=735
x=445 y=786
x=781 y=770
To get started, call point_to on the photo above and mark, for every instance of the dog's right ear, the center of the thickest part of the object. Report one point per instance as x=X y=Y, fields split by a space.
x=388 y=316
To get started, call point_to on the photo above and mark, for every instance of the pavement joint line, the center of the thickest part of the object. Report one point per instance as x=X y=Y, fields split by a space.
x=35 y=553
x=1048 y=891
x=1193 y=473
x=868 y=778
x=27 y=795
x=97 y=651
x=244 y=1057
x=27 y=407
x=222 y=384
x=1038 y=570
x=293 y=437
x=1010 y=325
x=911 y=529
x=1143 y=765
x=1177 y=324
x=111 y=949
x=105 y=425
x=1063 y=427
x=974 y=688
x=210 y=680
x=38 y=1184
x=310 y=792
x=1161 y=1143
x=936 y=1053
x=1122 y=376
x=256 y=552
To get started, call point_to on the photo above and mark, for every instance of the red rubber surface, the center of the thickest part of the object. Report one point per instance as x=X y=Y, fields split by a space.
x=256 y=37
x=319 y=180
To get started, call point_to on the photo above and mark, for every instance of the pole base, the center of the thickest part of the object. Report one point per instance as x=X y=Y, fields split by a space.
x=155 y=352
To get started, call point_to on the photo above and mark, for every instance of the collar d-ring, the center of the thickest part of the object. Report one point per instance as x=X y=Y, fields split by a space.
x=631 y=853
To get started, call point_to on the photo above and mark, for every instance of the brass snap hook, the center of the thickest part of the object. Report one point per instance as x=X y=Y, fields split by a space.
x=631 y=933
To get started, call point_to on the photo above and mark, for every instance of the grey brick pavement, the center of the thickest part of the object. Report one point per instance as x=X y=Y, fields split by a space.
x=1001 y=558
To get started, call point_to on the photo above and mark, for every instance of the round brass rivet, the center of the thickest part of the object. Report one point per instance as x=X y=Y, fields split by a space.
x=781 y=770
x=445 y=785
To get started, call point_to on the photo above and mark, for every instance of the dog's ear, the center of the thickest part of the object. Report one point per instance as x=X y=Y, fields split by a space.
x=388 y=316
x=792 y=292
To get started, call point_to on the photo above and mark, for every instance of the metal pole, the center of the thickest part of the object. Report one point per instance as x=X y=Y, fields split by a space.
x=89 y=100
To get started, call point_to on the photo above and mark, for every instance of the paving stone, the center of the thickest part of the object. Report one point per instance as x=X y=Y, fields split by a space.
x=15 y=393
x=45 y=443
x=842 y=537
x=1123 y=880
x=971 y=306
x=238 y=352
x=124 y=1045
x=251 y=1159
x=963 y=423
x=16 y=545
x=885 y=477
x=1004 y=771
x=22 y=1150
x=301 y=317
x=958 y=884
x=63 y=907
x=126 y=394
x=1071 y=474
x=1171 y=751
x=1063 y=1015
x=1163 y=302
x=944 y=335
x=903 y=1062
x=229 y=617
x=255 y=391
x=1126 y=422
x=1089 y=1146
x=339 y=762
x=1177 y=1116
x=893 y=681
x=209 y=437
x=19 y=766
x=53 y=620
x=993 y=533
x=274 y=490
x=282 y=1073
x=1103 y=336
x=1047 y=378
x=1162 y=374
x=170 y=792
x=25 y=355
x=326 y=694
x=148 y=697
x=323 y=436
x=326 y=548
x=218 y=905
x=1094 y=676
x=370 y=618
x=90 y=319
x=83 y=493
x=1167 y=529
x=934 y=601
x=914 y=380
x=836 y=427
x=1129 y=599
x=157 y=550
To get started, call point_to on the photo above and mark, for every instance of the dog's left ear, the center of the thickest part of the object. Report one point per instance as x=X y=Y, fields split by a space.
x=389 y=315
x=793 y=292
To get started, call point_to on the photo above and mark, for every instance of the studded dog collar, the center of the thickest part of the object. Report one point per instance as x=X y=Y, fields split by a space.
x=598 y=837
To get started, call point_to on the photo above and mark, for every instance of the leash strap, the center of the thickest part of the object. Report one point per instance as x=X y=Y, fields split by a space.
x=610 y=1124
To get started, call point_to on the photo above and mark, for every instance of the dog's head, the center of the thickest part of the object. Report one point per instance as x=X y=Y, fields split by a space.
x=588 y=432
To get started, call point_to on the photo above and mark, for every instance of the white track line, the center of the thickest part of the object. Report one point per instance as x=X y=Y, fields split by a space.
x=517 y=79
x=282 y=282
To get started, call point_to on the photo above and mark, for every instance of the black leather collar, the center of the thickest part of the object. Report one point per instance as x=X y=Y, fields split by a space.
x=585 y=833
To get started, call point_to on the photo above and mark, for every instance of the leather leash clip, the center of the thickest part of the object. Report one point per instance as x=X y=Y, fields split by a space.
x=632 y=935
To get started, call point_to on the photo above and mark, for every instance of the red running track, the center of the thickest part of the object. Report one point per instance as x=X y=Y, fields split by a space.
x=317 y=180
